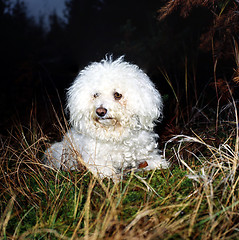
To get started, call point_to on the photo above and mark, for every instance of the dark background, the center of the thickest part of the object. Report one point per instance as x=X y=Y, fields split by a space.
x=38 y=65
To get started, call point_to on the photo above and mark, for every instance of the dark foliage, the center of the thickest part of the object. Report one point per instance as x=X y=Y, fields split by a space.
x=38 y=65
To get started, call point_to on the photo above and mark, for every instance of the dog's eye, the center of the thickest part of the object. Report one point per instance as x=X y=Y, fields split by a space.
x=117 y=96
x=96 y=95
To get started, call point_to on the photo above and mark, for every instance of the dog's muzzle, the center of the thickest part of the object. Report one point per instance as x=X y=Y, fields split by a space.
x=103 y=118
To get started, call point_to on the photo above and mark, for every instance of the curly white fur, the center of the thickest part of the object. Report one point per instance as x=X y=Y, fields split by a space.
x=113 y=108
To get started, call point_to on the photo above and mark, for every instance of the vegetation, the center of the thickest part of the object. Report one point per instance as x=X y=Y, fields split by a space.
x=197 y=72
x=196 y=198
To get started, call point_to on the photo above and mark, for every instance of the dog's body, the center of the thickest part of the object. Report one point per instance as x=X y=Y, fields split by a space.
x=113 y=107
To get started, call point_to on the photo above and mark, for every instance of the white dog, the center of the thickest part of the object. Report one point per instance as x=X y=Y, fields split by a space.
x=113 y=108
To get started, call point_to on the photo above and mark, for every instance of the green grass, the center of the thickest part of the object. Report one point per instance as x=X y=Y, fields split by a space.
x=196 y=198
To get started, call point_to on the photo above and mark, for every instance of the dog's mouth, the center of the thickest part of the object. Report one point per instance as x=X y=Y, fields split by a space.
x=106 y=121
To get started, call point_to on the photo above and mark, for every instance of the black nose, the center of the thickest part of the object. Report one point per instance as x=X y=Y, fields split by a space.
x=101 y=111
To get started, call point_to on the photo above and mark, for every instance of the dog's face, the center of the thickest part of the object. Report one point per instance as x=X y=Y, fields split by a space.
x=107 y=107
x=112 y=99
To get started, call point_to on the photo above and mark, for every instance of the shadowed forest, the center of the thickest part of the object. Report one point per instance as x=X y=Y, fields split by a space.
x=190 y=51
x=191 y=43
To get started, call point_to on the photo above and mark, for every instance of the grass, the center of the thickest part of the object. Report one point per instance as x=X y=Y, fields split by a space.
x=197 y=198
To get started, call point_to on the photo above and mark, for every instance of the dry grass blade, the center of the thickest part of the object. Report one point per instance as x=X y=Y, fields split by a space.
x=41 y=231
x=164 y=73
x=6 y=217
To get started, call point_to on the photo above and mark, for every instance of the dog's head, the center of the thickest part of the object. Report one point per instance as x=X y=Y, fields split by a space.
x=113 y=98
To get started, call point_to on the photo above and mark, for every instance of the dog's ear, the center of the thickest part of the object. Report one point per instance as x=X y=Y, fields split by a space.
x=143 y=99
x=76 y=101
x=150 y=106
